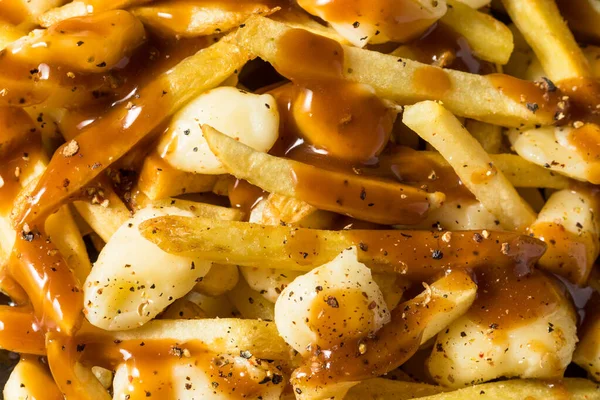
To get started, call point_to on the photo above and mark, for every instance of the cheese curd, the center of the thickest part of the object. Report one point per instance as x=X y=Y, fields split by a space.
x=334 y=302
x=363 y=22
x=133 y=279
x=467 y=353
x=250 y=118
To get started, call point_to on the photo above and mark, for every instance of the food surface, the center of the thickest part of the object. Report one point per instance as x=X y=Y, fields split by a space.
x=300 y=199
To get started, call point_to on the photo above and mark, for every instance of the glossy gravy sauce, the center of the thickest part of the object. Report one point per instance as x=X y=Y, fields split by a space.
x=400 y=20
x=339 y=130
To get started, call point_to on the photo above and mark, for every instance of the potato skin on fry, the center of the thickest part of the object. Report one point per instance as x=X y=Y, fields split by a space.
x=415 y=254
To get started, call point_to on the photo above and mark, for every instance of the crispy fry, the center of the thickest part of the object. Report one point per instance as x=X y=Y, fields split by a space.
x=488 y=135
x=386 y=389
x=31 y=370
x=520 y=172
x=18 y=331
x=548 y=35
x=282 y=247
x=489 y=38
x=220 y=279
x=74 y=380
x=159 y=179
x=464 y=94
x=517 y=389
x=25 y=12
x=368 y=199
x=63 y=232
x=197 y=73
x=82 y=8
x=583 y=17
x=472 y=164
x=250 y=303
x=258 y=337
x=191 y=20
x=8 y=34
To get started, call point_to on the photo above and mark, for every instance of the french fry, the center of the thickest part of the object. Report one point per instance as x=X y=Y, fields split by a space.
x=368 y=199
x=197 y=73
x=259 y=337
x=18 y=333
x=521 y=57
x=548 y=35
x=119 y=292
x=159 y=179
x=65 y=235
x=583 y=17
x=82 y=8
x=386 y=389
x=250 y=303
x=587 y=353
x=466 y=95
x=192 y=20
x=489 y=38
x=73 y=379
x=196 y=305
x=472 y=164
x=281 y=247
x=104 y=220
x=299 y=19
x=525 y=174
x=31 y=379
x=533 y=197
x=488 y=135
x=412 y=323
x=519 y=171
x=518 y=389
x=220 y=279
x=8 y=34
x=26 y=11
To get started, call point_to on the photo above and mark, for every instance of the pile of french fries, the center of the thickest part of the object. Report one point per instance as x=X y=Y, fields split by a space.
x=156 y=241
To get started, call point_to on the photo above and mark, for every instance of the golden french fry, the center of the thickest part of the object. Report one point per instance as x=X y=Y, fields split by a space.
x=104 y=220
x=386 y=389
x=548 y=35
x=8 y=34
x=518 y=389
x=250 y=303
x=299 y=19
x=583 y=17
x=488 y=135
x=587 y=353
x=192 y=20
x=73 y=379
x=159 y=179
x=157 y=100
x=31 y=379
x=411 y=323
x=489 y=38
x=220 y=279
x=82 y=8
x=473 y=165
x=26 y=11
x=63 y=231
x=259 y=337
x=412 y=253
x=368 y=199
x=18 y=334
x=405 y=81
x=520 y=172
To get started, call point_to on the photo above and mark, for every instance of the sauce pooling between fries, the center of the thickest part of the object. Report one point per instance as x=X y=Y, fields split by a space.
x=111 y=79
